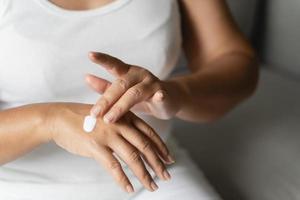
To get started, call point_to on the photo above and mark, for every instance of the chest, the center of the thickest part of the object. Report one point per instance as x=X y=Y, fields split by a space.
x=43 y=55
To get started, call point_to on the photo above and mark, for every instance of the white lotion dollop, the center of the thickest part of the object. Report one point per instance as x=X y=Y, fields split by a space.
x=89 y=123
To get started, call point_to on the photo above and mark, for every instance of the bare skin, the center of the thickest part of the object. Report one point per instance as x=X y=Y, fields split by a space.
x=130 y=139
x=80 y=4
x=223 y=73
x=223 y=69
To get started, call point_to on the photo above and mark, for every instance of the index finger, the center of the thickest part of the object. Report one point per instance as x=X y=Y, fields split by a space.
x=112 y=94
x=113 y=65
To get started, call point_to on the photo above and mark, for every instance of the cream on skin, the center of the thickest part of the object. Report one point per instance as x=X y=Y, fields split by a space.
x=89 y=123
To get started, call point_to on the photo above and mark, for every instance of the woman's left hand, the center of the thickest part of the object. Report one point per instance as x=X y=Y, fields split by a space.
x=134 y=88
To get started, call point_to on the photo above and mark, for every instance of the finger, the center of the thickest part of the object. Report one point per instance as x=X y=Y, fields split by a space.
x=131 y=156
x=145 y=146
x=151 y=133
x=105 y=157
x=165 y=176
x=110 y=63
x=112 y=94
x=98 y=84
x=132 y=96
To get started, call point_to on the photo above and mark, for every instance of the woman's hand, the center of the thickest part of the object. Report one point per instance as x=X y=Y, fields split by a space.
x=130 y=138
x=135 y=87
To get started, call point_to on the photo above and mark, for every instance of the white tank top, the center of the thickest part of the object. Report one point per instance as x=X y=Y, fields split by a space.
x=43 y=58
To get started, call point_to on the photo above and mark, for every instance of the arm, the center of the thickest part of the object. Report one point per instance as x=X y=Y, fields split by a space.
x=24 y=128
x=223 y=65
x=21 y=131
x=206 y=94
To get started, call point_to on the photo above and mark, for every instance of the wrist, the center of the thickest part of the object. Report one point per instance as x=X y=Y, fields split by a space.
x=46 y=121
x=178 y=93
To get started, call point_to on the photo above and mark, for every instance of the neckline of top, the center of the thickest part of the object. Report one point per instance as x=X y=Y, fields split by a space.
x=90 y=12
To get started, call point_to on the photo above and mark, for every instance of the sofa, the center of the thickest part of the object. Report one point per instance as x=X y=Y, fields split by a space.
x=253 y=153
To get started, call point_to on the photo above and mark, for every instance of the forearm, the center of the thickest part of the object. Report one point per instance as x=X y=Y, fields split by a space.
x=20 y=131
x=217 y=87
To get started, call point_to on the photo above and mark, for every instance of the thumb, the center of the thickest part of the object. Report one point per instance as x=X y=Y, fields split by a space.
x=98 y=84
x=159 y=104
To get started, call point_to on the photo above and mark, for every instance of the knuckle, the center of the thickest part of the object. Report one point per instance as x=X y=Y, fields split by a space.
x=132 y=69
x=122 y=179
x=134 y=156
x=144 y=71
x=108 y=136
x=149 y=79
x=146 y=145
x=160 y=167
x=117 y=110
x=122 y=83
x=113 y=165
x=93 y=142
x=104 y=102
x=148 y=75
x=150 y=132
x=145 y=176
x=135 y=92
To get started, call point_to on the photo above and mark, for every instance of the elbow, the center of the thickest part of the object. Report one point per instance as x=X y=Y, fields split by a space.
x=246 y=87
x=215 y=115
x=237 y=86
x=249 y=77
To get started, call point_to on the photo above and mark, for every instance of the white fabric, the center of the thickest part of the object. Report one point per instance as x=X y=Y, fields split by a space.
x=187 y=183
x=43 y=58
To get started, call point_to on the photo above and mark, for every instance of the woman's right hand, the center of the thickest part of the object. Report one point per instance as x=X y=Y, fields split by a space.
x=130 y=138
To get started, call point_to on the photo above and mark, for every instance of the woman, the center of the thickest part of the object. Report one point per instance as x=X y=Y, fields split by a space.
x=137 y=43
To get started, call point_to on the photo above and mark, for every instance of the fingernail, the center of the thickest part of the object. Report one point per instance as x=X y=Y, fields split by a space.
x=171 y=160
x=154 y=186
x=166 y=175
x=95 y=111
x=129 y=189
x=108 y=118
x=92 y=54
